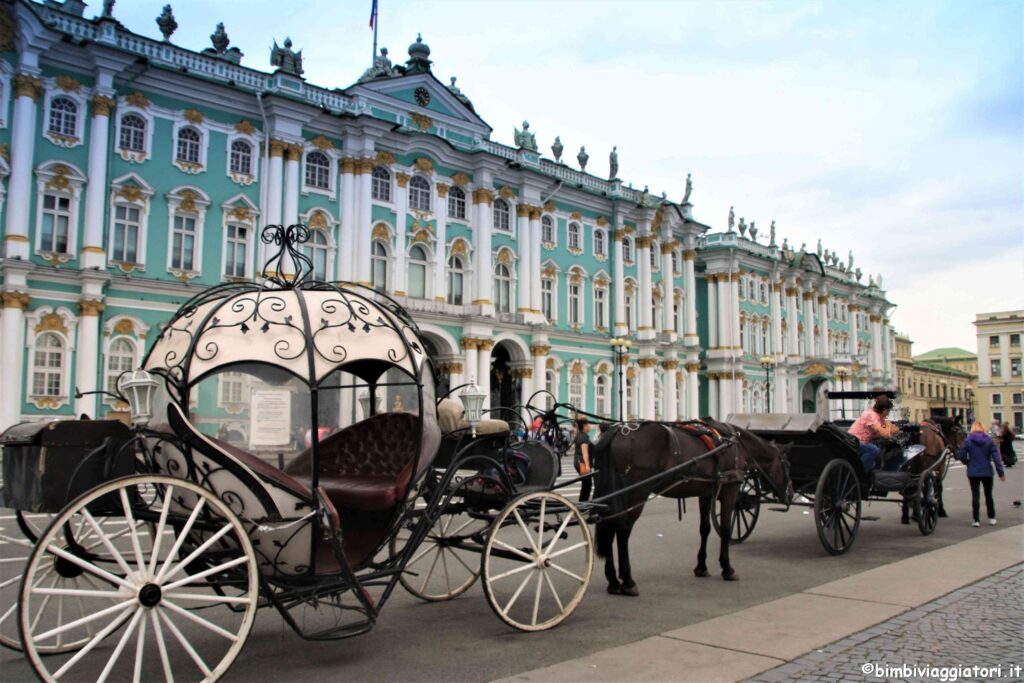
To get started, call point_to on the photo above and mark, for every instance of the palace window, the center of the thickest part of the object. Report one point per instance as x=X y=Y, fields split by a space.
x=417 y=272
x=502 y=215
x=551 y=386
x=599 y=243
x=1014 y=340
x=547 y=298
x=56 y=221
x=677 y=324
x=381 y=184
x=120 y=359
x=764 y=293
x=188 y=145
x=316 y=251
x=127 y=230
x=627 y=250
x=993 y=341
x=502 y=289
x=547 y=230
x=47 y=365
x=63 y=116
x=628 y=306
x=379 y=263
x=183 y=243
x=235 y=249
x=419 y=194
x=576 y=391
x=457 y=203
x=318 y=171
x=996 y=367
x=133 y=133
x=764 y=337
x=675 y=262
x=231 y=386
x=601 y=395
x=600 y=307
x=456 y=280
x=241 y=157
x=743 y=335
x=574 y=235
x=997 y=399
x=657 y=398
x=575 y=305
x=630 y=394
x=1015 y=367
x=654 y=256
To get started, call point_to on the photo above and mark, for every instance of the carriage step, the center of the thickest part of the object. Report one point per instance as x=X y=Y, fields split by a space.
x=869 y=518
x=779 y=509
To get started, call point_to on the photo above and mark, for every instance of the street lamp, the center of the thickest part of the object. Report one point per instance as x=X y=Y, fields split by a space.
x=970 y=407
x=842 y=374
x=620 y=348
x=767 y=362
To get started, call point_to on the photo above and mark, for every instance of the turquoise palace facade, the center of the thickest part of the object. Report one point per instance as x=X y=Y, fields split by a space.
x=134 y=173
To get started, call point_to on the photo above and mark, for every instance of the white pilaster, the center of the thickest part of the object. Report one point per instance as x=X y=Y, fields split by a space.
x=667 y=290
x=535 y=293
x=12 y=333
x=347 y=232
x=27 y=91
x=644 y=297
x=621 y=324
x=669 y=386
x=364 y=219
x=647 y=387
x=809 y=337
x=483 y=275
x=540 y=350
x=398 y=279
x=692 y=383
x=527 y=280
x=87 y=357
x=824 y=350
x=93 y=255
x=483 y=376
x=441 y=242
x=713 y=312
x=793 y=322
x=690 y=283
x=290 y=201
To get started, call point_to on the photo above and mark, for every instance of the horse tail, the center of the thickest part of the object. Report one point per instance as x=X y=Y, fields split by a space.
x=605 y=536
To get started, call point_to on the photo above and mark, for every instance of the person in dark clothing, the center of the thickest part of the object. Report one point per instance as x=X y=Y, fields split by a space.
x=582 y=459
x=1006 y=446
x=979 y=453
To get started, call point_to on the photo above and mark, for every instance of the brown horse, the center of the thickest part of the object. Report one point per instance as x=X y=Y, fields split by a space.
x=937 y=433
x=637 y=453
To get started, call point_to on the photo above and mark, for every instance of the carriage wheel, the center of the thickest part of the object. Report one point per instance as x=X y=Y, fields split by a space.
x=19 y=535
x=537 y=561
x=746 y=512
x=443 y=567
x=147 y=590
x=837 y=507
x=926 y=506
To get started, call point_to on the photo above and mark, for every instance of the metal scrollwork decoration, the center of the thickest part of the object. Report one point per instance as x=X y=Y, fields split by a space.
x=289 y=267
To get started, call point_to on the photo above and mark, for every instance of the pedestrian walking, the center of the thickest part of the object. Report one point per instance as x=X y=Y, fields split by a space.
x=870 y=428
x=979 y=453
x=582 y=458
x=1006 y=451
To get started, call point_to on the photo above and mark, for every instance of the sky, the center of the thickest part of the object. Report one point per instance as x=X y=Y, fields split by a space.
x=892 y=129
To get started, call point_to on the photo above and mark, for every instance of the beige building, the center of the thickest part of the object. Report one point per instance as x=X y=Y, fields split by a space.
x=1000 y=393
x=935 y=383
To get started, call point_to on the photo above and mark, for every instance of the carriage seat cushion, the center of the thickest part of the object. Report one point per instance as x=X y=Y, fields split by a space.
x=451 y=418
x=366 y=466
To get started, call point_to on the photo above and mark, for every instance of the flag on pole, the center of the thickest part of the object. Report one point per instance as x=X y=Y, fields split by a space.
x=373 y=13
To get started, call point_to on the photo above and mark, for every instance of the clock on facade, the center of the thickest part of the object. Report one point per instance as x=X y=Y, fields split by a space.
x=422 y=97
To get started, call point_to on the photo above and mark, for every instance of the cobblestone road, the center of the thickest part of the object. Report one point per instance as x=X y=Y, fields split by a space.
x=981 y=625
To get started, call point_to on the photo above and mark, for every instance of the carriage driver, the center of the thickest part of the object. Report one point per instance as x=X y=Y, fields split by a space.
x=869 y=428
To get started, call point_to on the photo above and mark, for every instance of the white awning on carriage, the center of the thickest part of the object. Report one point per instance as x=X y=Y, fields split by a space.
x=308 y=332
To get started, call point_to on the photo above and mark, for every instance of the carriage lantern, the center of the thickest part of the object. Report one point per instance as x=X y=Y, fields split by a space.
x=473 y=402
x=138 y=387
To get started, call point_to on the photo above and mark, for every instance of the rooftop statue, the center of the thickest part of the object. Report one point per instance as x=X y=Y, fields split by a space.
x=108 y=9
x=785 y=244
x=381 y=68
x=732 y=218
x=524 y=139
x=557 y=148
x=803 y=247
x=858 y=273
x=753 y=231
x=689 y=189
x=613 y=163
x=166 y=22
x=220 y=41
x=819 y=247
x=771 y=235
x=459 y=96
x=743 y=226
x=849 y=261
x=583 y=157
x=285 y=59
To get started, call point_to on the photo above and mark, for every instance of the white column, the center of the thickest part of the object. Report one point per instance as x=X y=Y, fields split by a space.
x=793 y=322
x=713 y=312
x=87 y=356
x=854 y=331
x=809 y=337
x=823 y=346
x=483 y=376
x=527 y=280
x=724 y=396
x=778 y=387
x=669 y=386
x=12 y=332
x=690 y=283
x=27 y=90
x=722 y=299
x=645 y=295
x=95 y=200
x=621 y=324
x=733 y=309
x=398 y=280
x=291 y=184
x=364 y=220
x=525 y=383
x=692 y=381
x=347 y=232
x=540 y=351
x=469 y=352
x=647 y=387
x=713 y=407
x=876 y=343
x=483 y=200
x=667 y=289
x=441 y=242
x=274 y=180
x=535 y=292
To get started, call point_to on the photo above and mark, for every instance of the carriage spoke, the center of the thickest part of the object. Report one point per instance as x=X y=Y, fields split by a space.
x=208 y=625
x=540 y=527
x=444 y=566
x=462 y=562
x=106 y=542
x=515 y=551
x=24 y=543
x=76 y=592
x=13 y=579
x=517 y=570
x=515 y=596
x=125 y=637
x=536 y=594
x=216 y=599
x=203 y=574
x=89 y=567
x=416 y=558
x=563 y=551
x=560 y=568
x=9 y=612
x=558 y=534
x=96 y=639
x=42 y=607
x=130 y=519
x=196 y=553
x=182 y=535
x=430 y=572
x=123 y=605
x=162 y=647
x=551 y=587
x=160 y=531
x=526 y=531
x=184 y=643
x=140 y=647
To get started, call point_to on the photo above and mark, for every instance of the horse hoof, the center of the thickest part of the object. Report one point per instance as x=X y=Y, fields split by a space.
x=614 y=589
x=942 y=513
x=630 y=590
x=701 y=572
x=904 y=521
x=730 y=576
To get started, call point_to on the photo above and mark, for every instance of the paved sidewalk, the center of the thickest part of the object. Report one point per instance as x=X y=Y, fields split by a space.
x=973 y=634
x=883 y=606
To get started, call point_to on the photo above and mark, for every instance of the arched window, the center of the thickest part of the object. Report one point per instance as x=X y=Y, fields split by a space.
x=675 y=262
x=188 y=145
x=657 y=398
x=743 y=335
x=120 y=358
x=63 y=116
x=575 y=301
x=379 y=266
x=764 y=293
x=456 y=280
x=419 y=194
x=241 y=157
x=630 y=397
x=183 y=242
x=236 y=248
x=133 y=133
x=503 y=289
x=628 y=306
x=502 y=215
x=576 y=397
x=601 y=396
x=599 y=246
x=765 y=347
x=318 y=170
x=551 y=386
x=600 y=307
x=574 y=235
x=627 y=250
x=417 y=271
x=315 y=250
x=654 y=256
x=547 y=229
x=48 y=366
x=127 y=229
x=382 y=184
x=457 y=203
x=56 y=223
x=547 y=298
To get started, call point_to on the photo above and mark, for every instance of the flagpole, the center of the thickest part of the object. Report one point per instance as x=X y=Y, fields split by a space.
x=374 y=20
